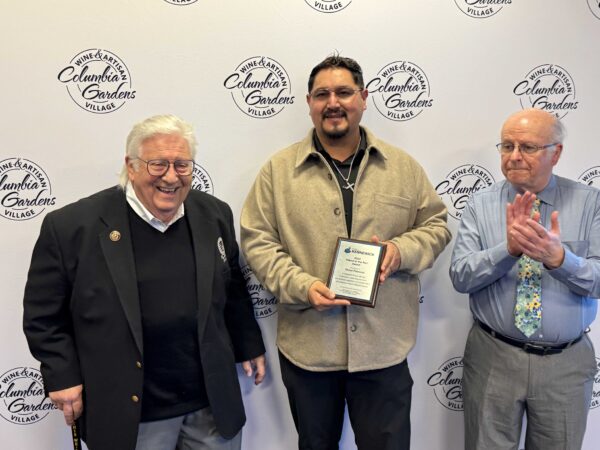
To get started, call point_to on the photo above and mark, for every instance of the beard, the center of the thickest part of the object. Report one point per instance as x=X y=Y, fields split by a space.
x=337 y=132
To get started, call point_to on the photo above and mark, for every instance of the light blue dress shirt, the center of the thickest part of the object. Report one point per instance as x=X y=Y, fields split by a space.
x=482 y=267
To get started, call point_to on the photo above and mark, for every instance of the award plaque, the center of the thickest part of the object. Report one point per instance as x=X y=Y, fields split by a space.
x=354 y=273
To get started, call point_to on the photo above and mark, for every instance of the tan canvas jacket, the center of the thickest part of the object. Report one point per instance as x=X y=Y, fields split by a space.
x=290 y=223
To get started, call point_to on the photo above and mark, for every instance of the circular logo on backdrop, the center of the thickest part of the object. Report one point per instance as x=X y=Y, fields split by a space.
x=481 y=9
x=328 y=6
x=260 y=87
x=460 y=183
x=591 y=177
x=594 y=7
x=97 y=81
x=181 y=2
x=400 y=91
x=25 y=189
x=201 y=180
x=596 y=389
x=22 y=397
x=446 y=382
x=548 y=87
x=264 y=303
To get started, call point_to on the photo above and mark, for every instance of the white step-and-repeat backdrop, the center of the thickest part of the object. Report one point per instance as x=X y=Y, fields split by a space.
x=442 y=76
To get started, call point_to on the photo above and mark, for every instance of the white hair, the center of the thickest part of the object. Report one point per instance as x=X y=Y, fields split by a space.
x=558 y=131
x=163 y=124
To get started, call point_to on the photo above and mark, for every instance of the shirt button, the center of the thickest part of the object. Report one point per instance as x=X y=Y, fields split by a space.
x=135 y=398
x=138 y=364
x=353 y=327
x=337 y=211
x=330 y=176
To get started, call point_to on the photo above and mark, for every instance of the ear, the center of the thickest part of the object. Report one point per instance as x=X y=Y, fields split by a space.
x=130 y=169
x=364 y=94
x=556 y=154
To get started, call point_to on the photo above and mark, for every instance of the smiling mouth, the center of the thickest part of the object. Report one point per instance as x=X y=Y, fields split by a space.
x=165 y=190
x=334 y=115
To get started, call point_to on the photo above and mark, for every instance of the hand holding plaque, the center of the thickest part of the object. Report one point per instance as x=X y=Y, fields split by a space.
x=354 y=273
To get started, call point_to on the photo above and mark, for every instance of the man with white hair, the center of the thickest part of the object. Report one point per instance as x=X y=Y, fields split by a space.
x=533 y=280
x=136 y=307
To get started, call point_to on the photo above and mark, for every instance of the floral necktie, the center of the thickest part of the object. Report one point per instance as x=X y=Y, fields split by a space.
x=528 y=308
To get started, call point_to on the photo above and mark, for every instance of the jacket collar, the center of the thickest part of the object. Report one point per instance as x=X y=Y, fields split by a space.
x=306 y=148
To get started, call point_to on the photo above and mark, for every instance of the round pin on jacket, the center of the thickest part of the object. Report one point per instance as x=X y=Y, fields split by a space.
x=114 y=236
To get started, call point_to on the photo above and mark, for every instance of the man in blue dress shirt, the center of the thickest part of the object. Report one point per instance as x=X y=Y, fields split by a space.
x=528 y=254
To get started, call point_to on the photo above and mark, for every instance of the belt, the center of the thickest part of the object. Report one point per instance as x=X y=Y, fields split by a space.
x=528 y=347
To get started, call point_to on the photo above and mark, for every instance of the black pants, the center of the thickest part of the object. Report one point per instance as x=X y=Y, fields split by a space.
x=378 y=406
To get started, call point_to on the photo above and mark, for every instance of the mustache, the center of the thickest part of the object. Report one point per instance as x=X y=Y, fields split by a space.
x=334 y=113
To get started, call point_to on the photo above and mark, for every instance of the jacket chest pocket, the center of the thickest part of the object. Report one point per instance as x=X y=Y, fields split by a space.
x=392 y=215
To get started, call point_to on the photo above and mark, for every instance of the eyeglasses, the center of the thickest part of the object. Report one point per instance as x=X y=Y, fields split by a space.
x=342 y=94
x=158 y=167
x=528 y=149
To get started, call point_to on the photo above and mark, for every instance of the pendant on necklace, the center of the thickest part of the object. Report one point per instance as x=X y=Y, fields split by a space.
x=349 y=186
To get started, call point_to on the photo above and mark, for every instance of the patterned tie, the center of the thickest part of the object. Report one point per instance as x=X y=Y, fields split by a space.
x=528 y=308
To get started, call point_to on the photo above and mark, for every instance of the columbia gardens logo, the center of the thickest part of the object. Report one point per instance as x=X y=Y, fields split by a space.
x=446 y=382
x=481 y=9
x=260 y=87
x=548 y=87
x=25 y=189
x=596 y=389
x=591 y=177
x=594 y=7
x=400 y=91
x=22 y=397
x=201 y=180
x=328 y=6
x=97 y=81
x=181 y=2
x=264 y=303
x=460 y=183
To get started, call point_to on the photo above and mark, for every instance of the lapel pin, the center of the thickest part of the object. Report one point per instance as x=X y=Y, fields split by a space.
x=114 y=236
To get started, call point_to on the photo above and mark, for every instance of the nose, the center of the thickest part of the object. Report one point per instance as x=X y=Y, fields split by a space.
x=516 y=153
x=332 y=100
x=171 y=175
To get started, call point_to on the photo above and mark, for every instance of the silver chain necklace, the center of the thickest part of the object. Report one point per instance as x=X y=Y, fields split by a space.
x=346 y=179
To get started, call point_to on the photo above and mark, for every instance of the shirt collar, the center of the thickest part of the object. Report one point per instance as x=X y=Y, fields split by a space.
x=307 y=147
x=145 y=215
x=546 y=195
x=362 y=145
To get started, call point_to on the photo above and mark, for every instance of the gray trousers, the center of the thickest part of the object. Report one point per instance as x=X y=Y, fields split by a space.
x=501 y=383
x=193 y=431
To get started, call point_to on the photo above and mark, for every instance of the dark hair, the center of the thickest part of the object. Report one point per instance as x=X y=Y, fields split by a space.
x=337 y=61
